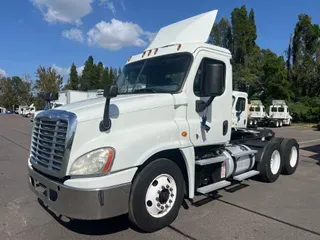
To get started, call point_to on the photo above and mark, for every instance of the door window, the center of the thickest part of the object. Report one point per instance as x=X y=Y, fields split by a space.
x=241 y=104
x=201 y=73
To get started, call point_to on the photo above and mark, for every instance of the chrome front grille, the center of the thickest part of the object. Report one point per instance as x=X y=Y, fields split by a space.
x=51 y=141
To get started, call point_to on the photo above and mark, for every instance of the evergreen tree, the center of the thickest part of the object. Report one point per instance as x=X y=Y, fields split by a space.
x=87 y=74
x=73 y=78
x=106 y=77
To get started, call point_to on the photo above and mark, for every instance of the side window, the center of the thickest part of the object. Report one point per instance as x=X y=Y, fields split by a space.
x=201 y=74
x=233 y=99
x=273 y=109
x=251 y=109
x=264 y=109
x=241 y=104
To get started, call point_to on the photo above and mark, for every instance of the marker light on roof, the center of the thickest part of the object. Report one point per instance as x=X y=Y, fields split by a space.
x=155 y=51
x=149 y=52
x=179 y=46
x=129 y=59
x=143 y=54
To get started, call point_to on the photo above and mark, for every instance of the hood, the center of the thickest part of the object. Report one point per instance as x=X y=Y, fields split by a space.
x=94 y=108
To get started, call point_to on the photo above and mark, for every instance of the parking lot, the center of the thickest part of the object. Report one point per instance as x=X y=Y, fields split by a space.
x=286 y=209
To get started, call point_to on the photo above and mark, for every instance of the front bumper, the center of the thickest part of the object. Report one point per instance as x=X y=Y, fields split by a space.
x=86 y=204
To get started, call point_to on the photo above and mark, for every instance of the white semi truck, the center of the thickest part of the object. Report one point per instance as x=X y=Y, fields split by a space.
x=143 y=150
x=257 y=114
x=279 y=114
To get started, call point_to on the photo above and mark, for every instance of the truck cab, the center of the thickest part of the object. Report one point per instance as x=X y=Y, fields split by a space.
x=239 y=109
x=161 y=134
x=257 y=113
x=279 y=113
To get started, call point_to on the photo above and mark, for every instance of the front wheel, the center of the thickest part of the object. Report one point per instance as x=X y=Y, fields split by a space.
x=156 y=195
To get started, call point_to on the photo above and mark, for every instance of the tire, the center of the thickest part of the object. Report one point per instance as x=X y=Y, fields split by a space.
x=280 y=123
x=250 y=122
x=145 y=192
x=290 y=156
x=277 y=124
x=271 y=169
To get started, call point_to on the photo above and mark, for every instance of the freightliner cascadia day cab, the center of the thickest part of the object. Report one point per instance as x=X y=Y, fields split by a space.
x=163 y=133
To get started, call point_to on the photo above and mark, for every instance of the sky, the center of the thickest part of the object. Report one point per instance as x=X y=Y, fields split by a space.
x=57 y=33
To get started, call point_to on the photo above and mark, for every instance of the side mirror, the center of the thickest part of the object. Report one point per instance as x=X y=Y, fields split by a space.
x=212 y=84
x=48 y=97
x=242 y=106
x=110 y=91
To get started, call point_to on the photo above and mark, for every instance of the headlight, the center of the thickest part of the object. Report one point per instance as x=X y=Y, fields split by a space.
x=96 y=161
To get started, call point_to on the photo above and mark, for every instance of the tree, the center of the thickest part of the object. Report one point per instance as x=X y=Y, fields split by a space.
x=100 y=72
x=106 y=77
x=14 y=91
x=305 y=46
x=48 y=80
x=221 y=34
x=87 y=74
x=73 y=78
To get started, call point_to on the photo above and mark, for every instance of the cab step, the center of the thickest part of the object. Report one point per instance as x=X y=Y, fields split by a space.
x=214 y=186
x=244 y=153
x=246 y=175
x=203 y=162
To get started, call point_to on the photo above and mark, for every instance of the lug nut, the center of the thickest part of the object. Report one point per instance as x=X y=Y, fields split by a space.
x=163 y=187
x=158 y=205
x=166 y=206
x=162 y=207
x=172 y=195
x=170 y=201
x=171 y=189
x=167 y=186
x=159 y=192
x=157 y=199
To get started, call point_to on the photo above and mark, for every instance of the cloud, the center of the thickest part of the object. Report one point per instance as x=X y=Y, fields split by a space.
x=66 y=71
x=122 y=5
x=74 y=34
x=65 y=11
x=109 y=4
x=116 y=34
x=3 y=73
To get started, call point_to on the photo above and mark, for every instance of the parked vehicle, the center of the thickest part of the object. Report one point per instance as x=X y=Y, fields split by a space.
x=239 y=109
x=257 y=114
x=29 y=111
x=3 y=110
x=142 y=151
x=279 y=114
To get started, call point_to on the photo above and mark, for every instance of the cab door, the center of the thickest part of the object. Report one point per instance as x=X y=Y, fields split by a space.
x=241 y=112
x=213 y=125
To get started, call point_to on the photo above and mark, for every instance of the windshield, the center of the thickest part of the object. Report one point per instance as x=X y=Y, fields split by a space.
x=163 y=74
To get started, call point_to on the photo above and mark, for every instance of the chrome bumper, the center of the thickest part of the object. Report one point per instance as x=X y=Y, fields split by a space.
x=80 y=203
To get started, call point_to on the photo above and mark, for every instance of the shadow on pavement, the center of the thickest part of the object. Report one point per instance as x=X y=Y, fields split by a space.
x=314 y=149
x=92 y=227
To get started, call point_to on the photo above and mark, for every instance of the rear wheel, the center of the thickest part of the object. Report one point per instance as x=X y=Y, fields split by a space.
x=271 y=162
x=280 y=123
x=290 y=153
x=156 y=195
x=277 y=124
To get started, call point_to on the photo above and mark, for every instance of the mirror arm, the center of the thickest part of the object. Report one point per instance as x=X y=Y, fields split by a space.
x=201 y=105
x=105 y=124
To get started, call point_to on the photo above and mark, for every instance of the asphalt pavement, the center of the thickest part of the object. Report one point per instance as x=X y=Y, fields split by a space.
x=286 y=209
